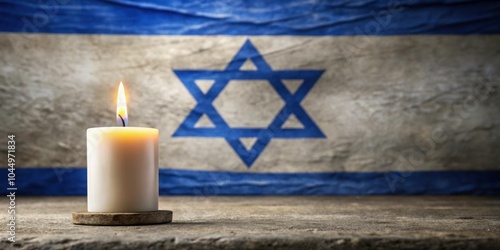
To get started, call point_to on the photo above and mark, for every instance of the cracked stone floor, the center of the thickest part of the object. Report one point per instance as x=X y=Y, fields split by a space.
x=253 y=222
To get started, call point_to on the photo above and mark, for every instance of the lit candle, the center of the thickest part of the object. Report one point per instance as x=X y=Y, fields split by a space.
x=122 y=166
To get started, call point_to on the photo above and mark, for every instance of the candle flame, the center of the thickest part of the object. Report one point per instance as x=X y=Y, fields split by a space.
x=121 y=107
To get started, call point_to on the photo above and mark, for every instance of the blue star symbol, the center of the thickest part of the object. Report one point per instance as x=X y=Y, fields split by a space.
x=233 y=135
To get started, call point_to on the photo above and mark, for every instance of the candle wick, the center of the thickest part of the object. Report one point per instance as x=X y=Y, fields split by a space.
x=123 y=121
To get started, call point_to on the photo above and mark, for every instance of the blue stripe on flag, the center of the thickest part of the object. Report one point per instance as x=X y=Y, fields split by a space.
x=239 y=17
x=73 y=181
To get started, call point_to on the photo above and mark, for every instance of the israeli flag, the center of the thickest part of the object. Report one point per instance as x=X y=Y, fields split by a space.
x=261 y=97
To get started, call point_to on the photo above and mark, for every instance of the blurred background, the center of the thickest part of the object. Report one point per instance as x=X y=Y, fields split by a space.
x=262 y=98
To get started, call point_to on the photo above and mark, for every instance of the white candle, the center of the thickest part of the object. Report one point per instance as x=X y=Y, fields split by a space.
x=122 y=166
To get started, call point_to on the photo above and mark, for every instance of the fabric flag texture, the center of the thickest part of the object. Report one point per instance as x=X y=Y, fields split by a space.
x=258 y=97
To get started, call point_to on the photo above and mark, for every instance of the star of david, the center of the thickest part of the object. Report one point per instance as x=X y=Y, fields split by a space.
x=233 y=135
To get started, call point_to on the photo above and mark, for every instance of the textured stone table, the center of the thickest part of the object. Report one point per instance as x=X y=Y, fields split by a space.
x=397 y=222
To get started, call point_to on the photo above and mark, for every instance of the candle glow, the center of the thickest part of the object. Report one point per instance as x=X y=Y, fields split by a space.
x=121 y=107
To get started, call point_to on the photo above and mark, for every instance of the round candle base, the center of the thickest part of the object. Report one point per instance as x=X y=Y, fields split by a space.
x=122 y=219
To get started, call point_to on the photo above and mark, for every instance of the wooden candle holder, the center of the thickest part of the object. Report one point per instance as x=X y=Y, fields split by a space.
x=122 y=219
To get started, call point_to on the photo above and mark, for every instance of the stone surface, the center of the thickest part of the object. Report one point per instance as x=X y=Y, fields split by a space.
x=122 y=219
x=395 y=222
x=380 y=97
